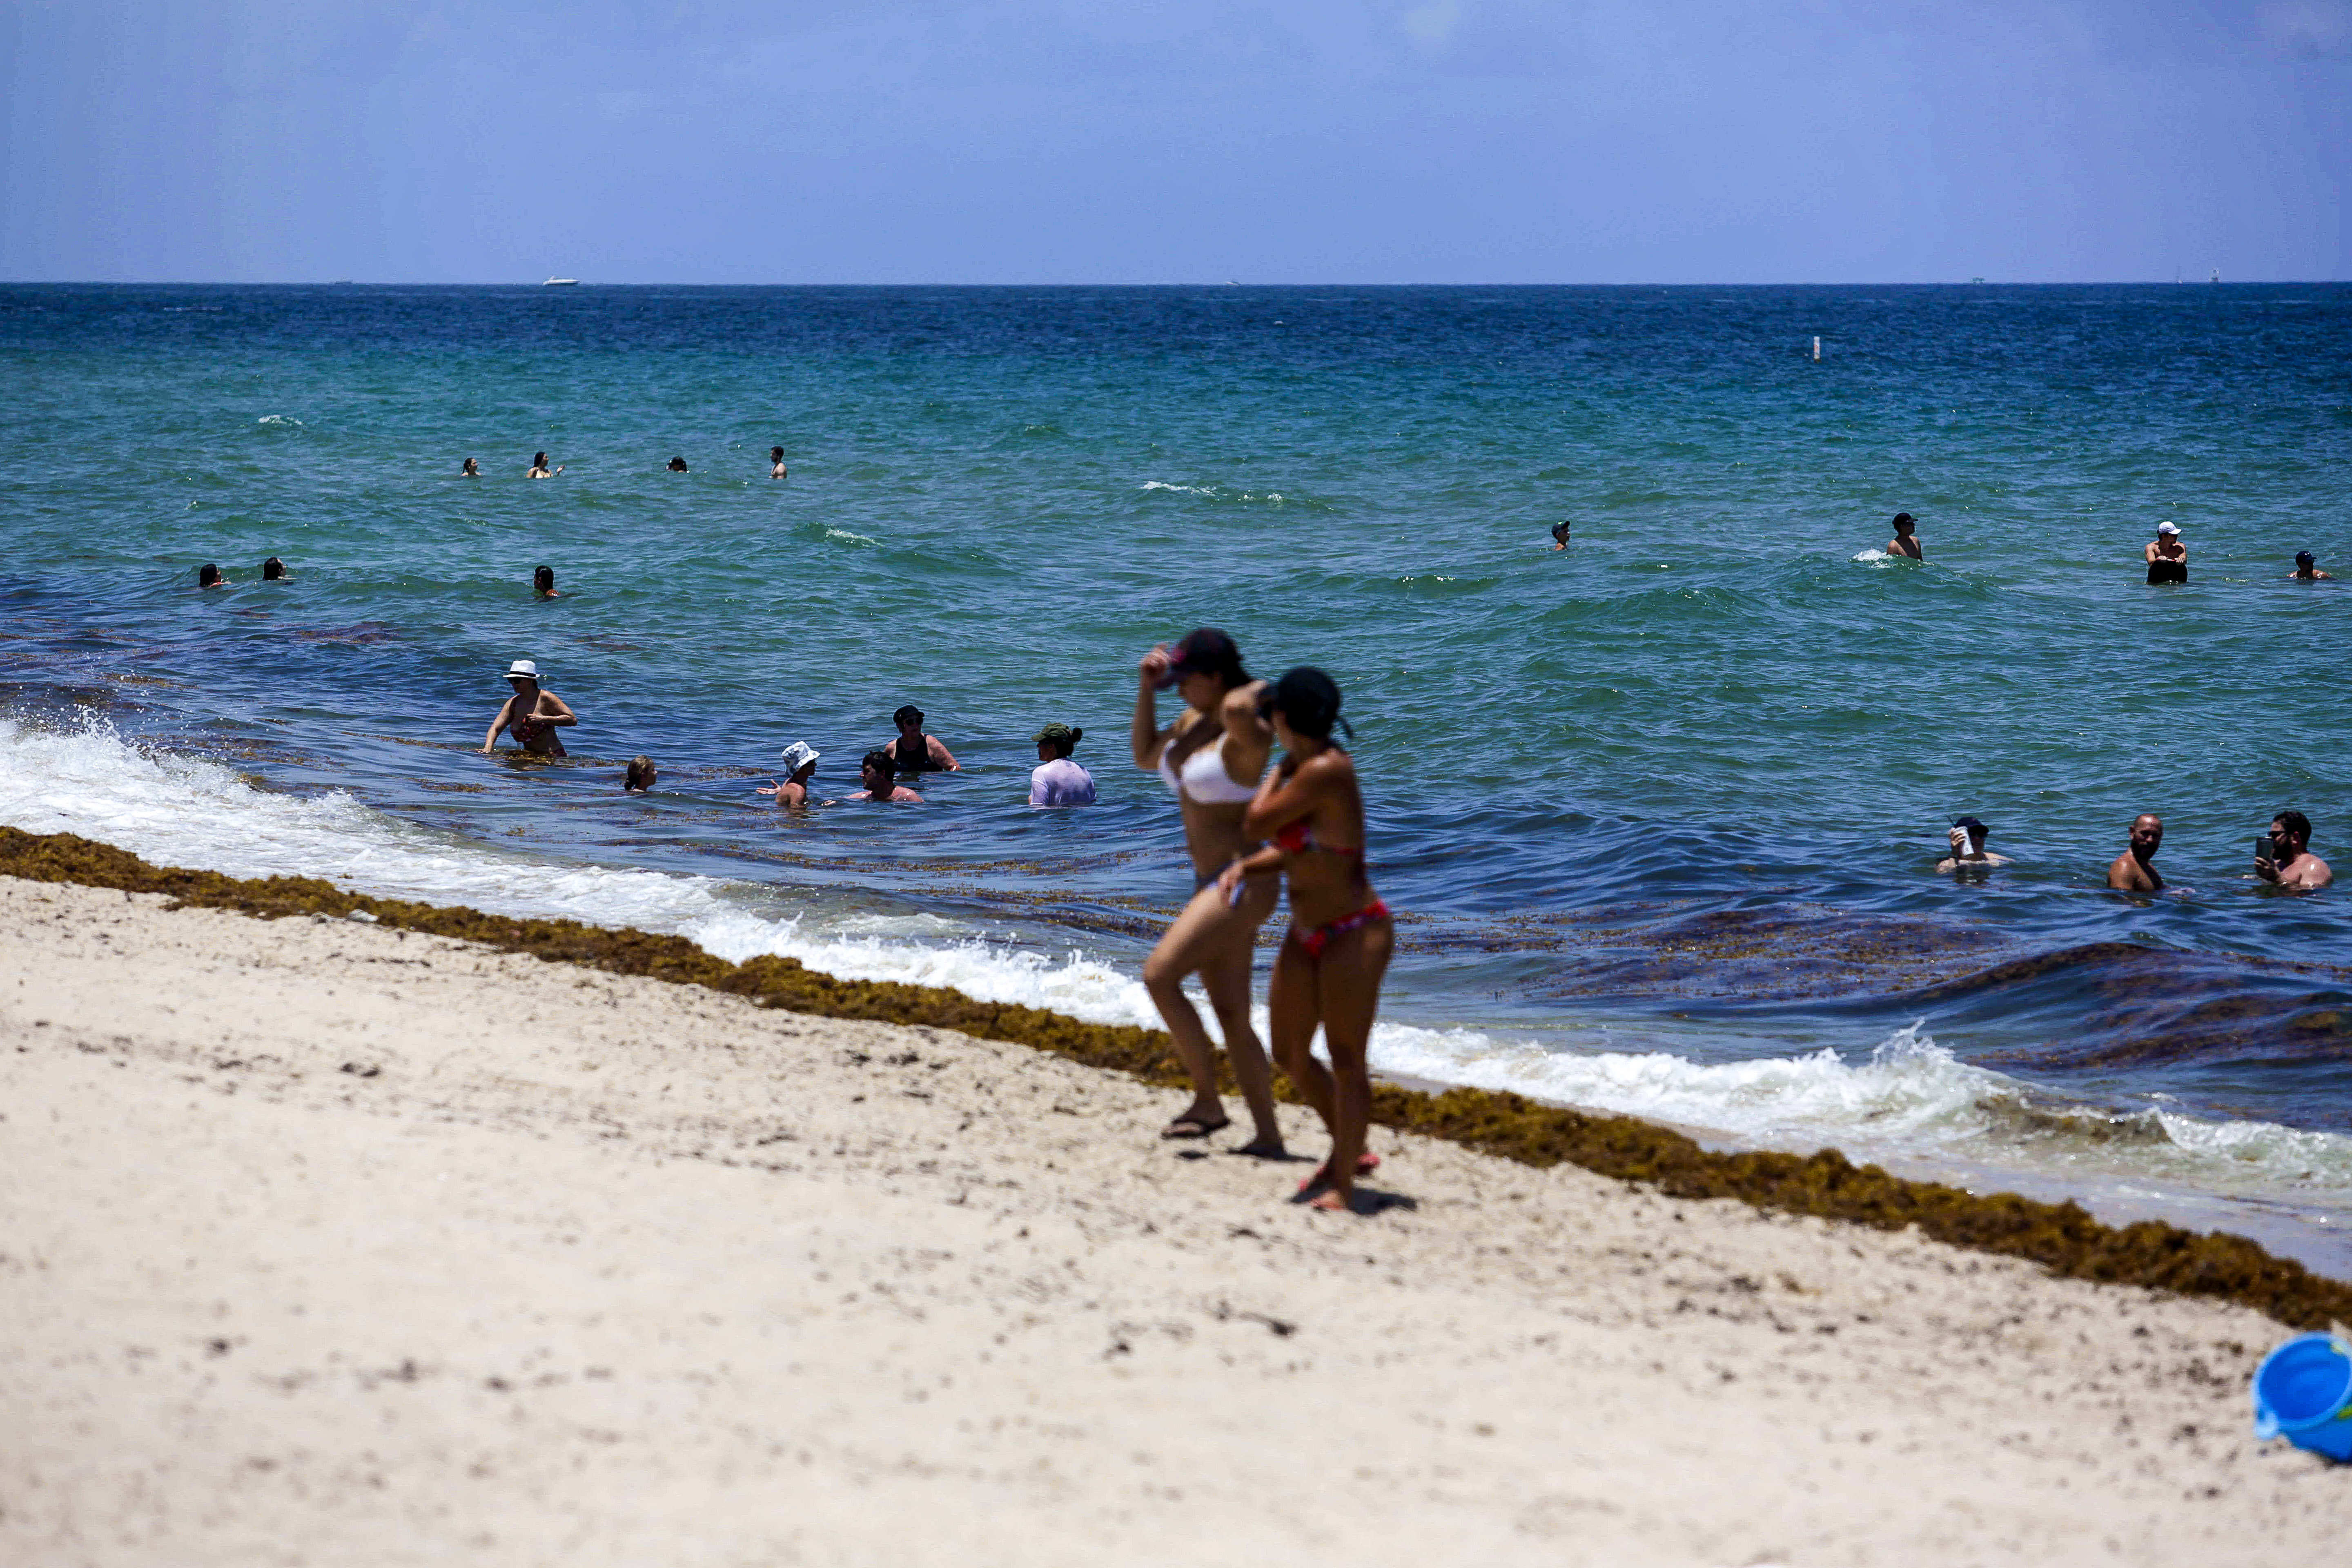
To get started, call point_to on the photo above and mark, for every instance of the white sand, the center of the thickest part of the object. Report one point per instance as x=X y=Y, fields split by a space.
x=320 y=1244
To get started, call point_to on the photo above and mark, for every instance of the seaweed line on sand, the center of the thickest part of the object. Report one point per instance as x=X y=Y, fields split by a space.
x=2062 y=1237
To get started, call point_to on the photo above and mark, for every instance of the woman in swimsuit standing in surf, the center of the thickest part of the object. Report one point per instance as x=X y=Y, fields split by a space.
x=1209 y=757
x=1329 y=969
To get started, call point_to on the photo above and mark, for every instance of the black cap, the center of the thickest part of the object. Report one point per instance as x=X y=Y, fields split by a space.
x=1971 y=823
x=1207 y=651
x=1905 y=517
x=2302 y=557
x=910 y=714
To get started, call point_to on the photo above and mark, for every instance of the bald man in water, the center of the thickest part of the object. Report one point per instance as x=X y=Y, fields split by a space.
x=2131 y=873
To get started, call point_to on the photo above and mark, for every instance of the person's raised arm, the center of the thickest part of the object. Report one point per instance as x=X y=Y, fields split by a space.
x=1247 y=736
x=1283 y=795
x=1145 y=738
x=941 y=758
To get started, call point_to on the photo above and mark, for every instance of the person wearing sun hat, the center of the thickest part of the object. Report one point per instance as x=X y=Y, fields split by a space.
x=800 y=766
x=2168 y=556
x=532 y=713
x=1057 y=780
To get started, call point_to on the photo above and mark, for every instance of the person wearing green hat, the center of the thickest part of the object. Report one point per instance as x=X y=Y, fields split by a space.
x=1057 y=780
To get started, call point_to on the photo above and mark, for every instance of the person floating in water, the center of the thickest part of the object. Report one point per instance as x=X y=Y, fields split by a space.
x=532 y=714
x=1559 y=536
x=2168 y=555
x=775 y=462
x=914 y=752
x=209 y=576
x=677 y=465
x=472 y=471
x=2132 y=873
x=2306 y=569
x=881 y=779
x=1057 y=780
x=274 y=570
x=641 y=777
x=1969 y=847
x=800 y=766
x=1907 y=538
x=2290 y=863
x=538 y=468
x=542 y=583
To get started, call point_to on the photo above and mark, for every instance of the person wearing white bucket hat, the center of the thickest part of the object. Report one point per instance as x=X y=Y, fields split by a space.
x=800 y=765
x=532 y=714
x=2168 y=556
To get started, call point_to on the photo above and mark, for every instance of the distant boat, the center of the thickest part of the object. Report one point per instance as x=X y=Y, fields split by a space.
x=2217 y=275
x=561 y=283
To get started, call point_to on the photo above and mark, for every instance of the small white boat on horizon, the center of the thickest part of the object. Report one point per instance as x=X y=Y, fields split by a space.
x=561 y=283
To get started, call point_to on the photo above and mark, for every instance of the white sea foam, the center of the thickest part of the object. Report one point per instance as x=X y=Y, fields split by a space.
x=1909 y=1095
x=279 y=419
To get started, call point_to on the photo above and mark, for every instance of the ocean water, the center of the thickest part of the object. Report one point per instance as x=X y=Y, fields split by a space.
x=1660 y=810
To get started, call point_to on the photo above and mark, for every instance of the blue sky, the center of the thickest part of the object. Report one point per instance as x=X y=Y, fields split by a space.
x=1134 y=141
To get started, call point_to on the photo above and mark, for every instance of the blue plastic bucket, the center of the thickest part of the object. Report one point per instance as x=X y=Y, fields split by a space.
x=2303 y=1392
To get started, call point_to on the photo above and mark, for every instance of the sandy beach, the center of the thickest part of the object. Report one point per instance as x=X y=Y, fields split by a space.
x=325 y=1243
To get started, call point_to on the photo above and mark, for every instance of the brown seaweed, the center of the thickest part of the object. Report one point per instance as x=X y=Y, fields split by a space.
x=2062 y=1237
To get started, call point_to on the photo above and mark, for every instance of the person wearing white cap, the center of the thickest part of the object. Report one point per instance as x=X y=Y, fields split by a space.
x=532 y=714
x=2167 y=557
x=800 y=765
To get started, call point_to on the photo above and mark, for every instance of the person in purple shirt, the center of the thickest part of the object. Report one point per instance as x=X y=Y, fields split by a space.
x=1057 y=780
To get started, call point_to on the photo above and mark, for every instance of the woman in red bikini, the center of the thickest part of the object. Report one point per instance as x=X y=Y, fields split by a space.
x=1329 y=969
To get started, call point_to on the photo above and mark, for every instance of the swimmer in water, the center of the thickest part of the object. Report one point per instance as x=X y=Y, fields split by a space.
x=1559 y=536
x=2132 y=872
x=641 y=777
x=1211 y=757
x=209 y=576
x=542 y=583
x=532 y=714
x=472 y=470
x=2306 y=569
x=915 y=752
x=538 y=468
x=1969 y=847
x=677 y=465
x=775 y=462
x=2292 y=864
x=800 y=766
x=1329 y=969
x=881 y=778
x=1907 y=539
x=2168 y=555
x=274 y=570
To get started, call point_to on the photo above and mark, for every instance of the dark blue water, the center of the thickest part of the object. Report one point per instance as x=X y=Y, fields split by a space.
x=1663 y=808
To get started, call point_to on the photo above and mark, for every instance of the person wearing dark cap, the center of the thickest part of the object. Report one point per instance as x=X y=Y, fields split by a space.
x=1329 y=971
x=1559 y=536
x=1057 y=780
x=915 y=752
x=1210 y=756
x=1907 y=537
x=2306 y=569
x=1969 y=847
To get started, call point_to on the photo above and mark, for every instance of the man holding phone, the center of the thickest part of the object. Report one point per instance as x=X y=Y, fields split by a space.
x=2282 y=856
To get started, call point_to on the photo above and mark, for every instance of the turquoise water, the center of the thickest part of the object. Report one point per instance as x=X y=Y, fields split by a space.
x=1662 y=809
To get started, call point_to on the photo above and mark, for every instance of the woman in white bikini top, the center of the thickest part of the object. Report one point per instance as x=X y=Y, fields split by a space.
x=1209 y=757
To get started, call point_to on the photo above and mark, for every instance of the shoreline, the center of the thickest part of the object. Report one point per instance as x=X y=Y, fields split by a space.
x=1826 y=1184
x=341 y=1240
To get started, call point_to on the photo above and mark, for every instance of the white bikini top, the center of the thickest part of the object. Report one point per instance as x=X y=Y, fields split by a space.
x=1204 y=777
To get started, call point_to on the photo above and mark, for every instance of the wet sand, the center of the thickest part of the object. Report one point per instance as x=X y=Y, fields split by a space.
x=328 y=1243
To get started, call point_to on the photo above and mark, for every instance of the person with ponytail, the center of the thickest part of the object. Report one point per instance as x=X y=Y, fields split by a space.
x=1329 y=969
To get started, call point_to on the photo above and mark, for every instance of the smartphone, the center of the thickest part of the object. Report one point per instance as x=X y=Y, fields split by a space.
x=2264 y=851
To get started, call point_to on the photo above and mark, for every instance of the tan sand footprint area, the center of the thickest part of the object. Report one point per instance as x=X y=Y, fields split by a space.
x=327 y=1243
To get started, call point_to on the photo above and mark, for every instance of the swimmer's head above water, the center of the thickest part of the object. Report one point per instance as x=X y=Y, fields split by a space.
x=677 y=465
x=472 y=470
x=1056 y=741
x=800 y=760
x=209 y=576
x=879 y=774
x=542 y=582
x=273 y=569
x=642 y=776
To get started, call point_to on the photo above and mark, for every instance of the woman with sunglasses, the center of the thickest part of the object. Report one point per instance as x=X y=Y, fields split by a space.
x=1329 y=971
x=1210 y=756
